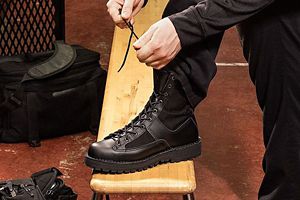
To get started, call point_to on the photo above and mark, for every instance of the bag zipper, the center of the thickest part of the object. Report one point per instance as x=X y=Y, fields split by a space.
x=28 y=190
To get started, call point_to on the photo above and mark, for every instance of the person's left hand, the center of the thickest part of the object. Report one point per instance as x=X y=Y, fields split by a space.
x=159 y=45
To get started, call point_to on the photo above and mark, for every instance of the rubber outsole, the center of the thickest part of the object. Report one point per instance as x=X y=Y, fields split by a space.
x=176 y=154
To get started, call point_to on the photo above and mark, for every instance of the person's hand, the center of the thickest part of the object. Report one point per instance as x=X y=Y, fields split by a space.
x=129 y=8
x=159 y=45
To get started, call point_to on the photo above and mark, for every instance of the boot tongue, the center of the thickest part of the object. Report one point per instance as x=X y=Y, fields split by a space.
x=160 y=80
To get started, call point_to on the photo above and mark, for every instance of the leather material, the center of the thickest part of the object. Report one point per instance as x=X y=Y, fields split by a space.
x=167 y=117
x=109 y=150
x=186 y=133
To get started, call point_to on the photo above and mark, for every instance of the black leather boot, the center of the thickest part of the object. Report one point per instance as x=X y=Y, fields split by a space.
x=165 y=131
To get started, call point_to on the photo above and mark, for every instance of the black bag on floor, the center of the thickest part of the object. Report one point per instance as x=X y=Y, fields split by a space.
x=52 y=187
x=23 y=189
x=50 y=94
x=43 y=185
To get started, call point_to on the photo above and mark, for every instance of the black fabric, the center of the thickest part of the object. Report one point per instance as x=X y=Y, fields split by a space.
x=205 y=18
x=271 y=43
x=21 y=189
x=159 y=79
x=144 y=139
x=43 y=185
x=194 y=79
x=176 y=109
x=51 y=186
x=50 y=103
x=62 y=58
x=45 y=179
x=172 y=120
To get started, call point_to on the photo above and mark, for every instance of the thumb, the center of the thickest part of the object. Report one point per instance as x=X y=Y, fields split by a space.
x=127 y=9
x=144 y=39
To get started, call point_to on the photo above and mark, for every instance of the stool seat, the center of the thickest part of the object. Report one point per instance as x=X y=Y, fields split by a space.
x=126 y=93
x=166 y=178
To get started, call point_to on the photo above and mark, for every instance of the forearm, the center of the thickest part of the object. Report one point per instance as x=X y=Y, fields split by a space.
x=210 y=17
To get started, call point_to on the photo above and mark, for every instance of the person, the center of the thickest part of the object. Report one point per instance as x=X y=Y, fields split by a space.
x=181 y=48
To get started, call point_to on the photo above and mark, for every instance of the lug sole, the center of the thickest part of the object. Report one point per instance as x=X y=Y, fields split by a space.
x=176 y=154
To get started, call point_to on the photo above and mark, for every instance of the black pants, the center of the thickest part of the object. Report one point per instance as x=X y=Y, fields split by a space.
x=271 y=42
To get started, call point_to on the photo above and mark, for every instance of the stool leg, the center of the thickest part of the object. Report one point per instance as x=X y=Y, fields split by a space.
x=97 y=196
x=107 y=197
x=189 y=196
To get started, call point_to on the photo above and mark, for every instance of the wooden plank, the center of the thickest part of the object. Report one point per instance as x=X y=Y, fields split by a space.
x=125 y=96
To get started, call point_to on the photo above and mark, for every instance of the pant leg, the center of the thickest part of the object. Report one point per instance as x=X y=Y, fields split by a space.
x=271 y=44
x=195 y=66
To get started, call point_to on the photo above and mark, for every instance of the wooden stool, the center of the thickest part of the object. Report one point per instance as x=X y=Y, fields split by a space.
x=125 y=96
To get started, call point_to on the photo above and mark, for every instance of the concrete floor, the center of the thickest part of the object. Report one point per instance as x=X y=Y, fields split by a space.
x=229 y=122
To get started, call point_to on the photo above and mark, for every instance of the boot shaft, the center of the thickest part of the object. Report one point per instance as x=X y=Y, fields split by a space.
x=166 y=83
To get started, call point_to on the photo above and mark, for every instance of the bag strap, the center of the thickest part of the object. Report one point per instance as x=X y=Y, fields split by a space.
x=14 y=101
x=45 y=178
x=51 y=186
x=62 y=58
x=33 y=138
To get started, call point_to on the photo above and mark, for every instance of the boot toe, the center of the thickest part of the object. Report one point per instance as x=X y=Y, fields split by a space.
x=102 y=149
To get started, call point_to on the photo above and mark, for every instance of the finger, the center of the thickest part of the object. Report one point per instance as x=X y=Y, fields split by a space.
x=158 y=54
x=157 y=57
x=152 y=58
x=144 y=39
x=114 y=13
x=116 y=17
x=132 y=21
x=158 y=64
x=127 y=9
x=122 y=25
x=154 y=63
x=137 y=9
x=144 y=53
x=159 y=67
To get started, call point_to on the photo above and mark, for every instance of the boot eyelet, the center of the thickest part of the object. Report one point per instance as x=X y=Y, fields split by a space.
x=173 y=78
x=169 y=86
x=166 y=94
x=155 y=110
x=119 y=143
x=143 y=126
x=161 y=101
x=127 y=139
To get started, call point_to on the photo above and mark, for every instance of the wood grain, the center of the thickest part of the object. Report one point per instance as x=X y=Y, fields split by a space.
x=125 y=96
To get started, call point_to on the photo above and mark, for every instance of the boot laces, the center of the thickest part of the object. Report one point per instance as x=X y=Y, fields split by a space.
x=137 y=122
x=146 y=114
x=132 y=34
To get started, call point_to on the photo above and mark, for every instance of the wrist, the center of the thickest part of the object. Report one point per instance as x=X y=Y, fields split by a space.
x=189 y=29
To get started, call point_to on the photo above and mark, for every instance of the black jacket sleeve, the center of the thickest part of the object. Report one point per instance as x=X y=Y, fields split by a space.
x=210 y=17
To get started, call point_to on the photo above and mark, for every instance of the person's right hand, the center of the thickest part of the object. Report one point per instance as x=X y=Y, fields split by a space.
x=129 y=9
